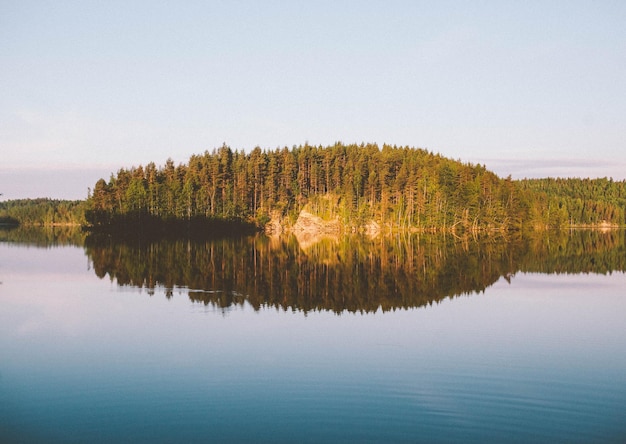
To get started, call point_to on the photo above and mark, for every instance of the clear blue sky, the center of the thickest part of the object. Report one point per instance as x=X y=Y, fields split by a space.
x=531 y=89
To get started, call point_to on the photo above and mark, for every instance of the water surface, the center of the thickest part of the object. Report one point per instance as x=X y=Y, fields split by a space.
x=254 y=340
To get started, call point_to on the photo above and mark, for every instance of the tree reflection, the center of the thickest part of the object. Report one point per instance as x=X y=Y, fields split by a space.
x=43 y=237
x=355 y=274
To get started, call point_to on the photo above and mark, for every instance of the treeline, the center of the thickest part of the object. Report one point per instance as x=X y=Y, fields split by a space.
x=42 y=212
x=399 y=187
x=576 y=202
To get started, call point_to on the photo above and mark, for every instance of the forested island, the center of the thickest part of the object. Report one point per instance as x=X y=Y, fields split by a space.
x=339 y=188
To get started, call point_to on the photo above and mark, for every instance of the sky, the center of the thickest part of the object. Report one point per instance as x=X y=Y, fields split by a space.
x=529 y=89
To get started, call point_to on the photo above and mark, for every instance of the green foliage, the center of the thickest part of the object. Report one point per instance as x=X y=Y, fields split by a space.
x=576 y=202
x=44 y=212
x=400 y=188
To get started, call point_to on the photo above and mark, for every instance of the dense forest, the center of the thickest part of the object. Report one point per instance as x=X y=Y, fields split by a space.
x=42 y=212
x=576 y=202
x=355 y=186
x=399 y=188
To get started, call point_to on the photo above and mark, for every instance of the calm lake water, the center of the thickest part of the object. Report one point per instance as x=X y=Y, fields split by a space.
x=419 y=339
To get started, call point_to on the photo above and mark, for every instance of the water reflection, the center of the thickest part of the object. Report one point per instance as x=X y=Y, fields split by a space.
x=355 y=274
x=43 y=237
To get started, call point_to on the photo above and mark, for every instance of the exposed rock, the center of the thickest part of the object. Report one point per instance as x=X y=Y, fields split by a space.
x=274 y=227
x=311 y=224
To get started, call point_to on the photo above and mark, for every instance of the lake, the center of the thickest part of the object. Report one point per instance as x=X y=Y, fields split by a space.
x=406 y=339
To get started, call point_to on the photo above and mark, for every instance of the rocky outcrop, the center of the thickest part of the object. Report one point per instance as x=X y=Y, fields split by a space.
x=275 y=226
x=308 y=223
x=309 y=226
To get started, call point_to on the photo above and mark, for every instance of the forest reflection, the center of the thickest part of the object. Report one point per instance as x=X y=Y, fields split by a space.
x=43 y=237
x=350 y=273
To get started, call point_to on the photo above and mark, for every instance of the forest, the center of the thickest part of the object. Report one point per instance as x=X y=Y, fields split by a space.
x=42 y=212
x=399 y=188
